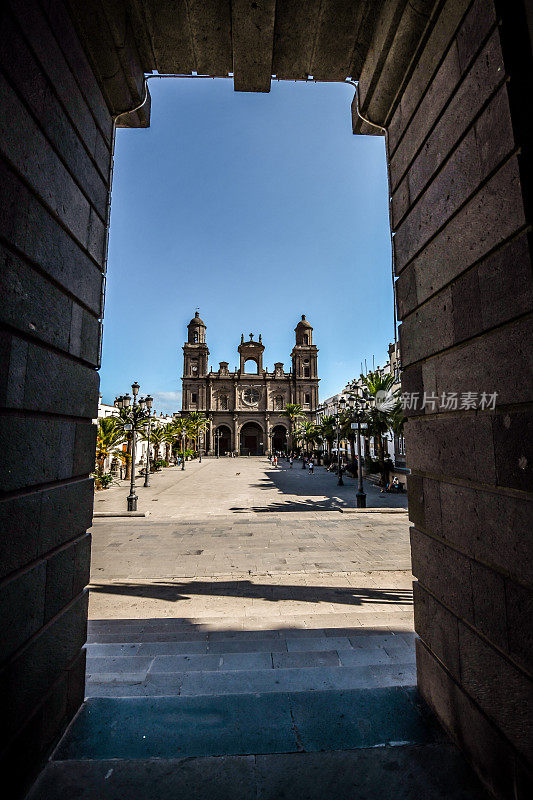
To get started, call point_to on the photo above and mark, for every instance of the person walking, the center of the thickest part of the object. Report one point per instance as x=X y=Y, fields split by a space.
x=311 y=466
x=290 y=462
x=275 y=461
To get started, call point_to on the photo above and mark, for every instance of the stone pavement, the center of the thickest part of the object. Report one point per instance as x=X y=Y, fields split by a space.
x=240 y=485
x=247 y=641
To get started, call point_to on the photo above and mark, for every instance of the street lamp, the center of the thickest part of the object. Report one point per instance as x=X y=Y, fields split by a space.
x=183 y=450
x=132 y=497
x=218 y=434
x=200 y=443
x=340 y=408
x=148 y=402
x=354 y=403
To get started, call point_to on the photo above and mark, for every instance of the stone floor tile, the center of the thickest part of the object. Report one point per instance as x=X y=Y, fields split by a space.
x=317 y=658
x=307 y=644
x=269 y=645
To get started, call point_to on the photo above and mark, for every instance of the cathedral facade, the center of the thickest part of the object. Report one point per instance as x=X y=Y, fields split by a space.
x=245 y=406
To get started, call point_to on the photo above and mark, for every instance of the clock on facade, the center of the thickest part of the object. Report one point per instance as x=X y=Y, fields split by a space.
x=250 y=396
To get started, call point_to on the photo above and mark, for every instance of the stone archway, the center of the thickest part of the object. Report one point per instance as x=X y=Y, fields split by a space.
x=222 y=445
x=251 y=439
x=448 y=85
x=279 y=438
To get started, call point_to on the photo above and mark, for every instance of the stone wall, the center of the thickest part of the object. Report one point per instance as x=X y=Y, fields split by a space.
x=55 y=157
x=459 y=153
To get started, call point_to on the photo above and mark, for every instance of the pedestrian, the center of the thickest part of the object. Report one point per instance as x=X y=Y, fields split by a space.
x=275 y=461
x=290 y=462
x=311 y=466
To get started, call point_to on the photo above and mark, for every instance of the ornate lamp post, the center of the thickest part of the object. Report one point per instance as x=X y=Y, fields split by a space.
x=183 y=450
x=132 y=497
x=217 y=437
x=148 y=402
x=200 y=445
x=354 y=403
x=340 y=408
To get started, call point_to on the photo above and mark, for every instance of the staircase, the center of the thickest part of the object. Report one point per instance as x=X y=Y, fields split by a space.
x=148 y=658
x=174 y=710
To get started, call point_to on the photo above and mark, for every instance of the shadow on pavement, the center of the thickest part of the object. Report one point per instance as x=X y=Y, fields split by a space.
x=175 y=591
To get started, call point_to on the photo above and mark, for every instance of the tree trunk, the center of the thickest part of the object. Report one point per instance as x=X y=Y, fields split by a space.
x=128 y=459
x=381 y=457
x=352 y=449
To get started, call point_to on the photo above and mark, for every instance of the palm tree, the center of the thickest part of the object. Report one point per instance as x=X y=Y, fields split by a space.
x=308 y=434
x=328 y=431
x=169 y=437
x=157 y=437
x=346 y=432
x=293 y=412
x=179 y=425
x=109 y=436
x=196 y=424
x=384 y=414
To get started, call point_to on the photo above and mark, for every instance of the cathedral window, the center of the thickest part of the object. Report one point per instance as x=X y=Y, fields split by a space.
x=307 y=400
x=224 y=402
x=278 y=403
x=194 y=398
x=250 y=396
x=306 y=338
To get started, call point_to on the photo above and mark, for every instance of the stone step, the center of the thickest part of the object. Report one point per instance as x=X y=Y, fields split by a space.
x=212 y=629
x=249 y=681
x=433 y=770
x=145 y=660
x=243 y=724
x=358 y=637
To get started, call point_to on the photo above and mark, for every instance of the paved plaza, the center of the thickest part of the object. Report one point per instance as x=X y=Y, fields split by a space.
x=241 y=485
x=219 y=589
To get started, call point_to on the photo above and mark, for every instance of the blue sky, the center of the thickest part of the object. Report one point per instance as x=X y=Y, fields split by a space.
x=255 y=208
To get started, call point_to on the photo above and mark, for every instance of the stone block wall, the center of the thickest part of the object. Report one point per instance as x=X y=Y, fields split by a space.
x=55 y=155
x=460 y=165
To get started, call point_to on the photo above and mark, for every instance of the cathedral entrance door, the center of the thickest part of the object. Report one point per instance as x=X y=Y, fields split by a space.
x=279 y=439
x=224 y=442
x=251 y=440
x=250 y=443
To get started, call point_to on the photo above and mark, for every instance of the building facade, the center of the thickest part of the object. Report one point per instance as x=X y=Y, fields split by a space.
x=245 y=406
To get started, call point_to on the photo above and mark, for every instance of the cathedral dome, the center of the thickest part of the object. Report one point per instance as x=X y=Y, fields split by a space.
x=303 y=323
x=197 y=321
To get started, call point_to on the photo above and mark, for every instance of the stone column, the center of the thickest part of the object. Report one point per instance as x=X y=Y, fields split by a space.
x=236 y=443
x=266 y=444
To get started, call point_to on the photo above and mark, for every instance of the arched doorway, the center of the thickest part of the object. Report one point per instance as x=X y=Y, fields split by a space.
x=223 y=444
x=251 y=440
x=279 y=438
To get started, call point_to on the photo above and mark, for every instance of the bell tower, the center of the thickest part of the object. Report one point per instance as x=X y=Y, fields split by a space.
x=304 y=353
x=251 y=352
x=195 y=365
x=305 y=366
